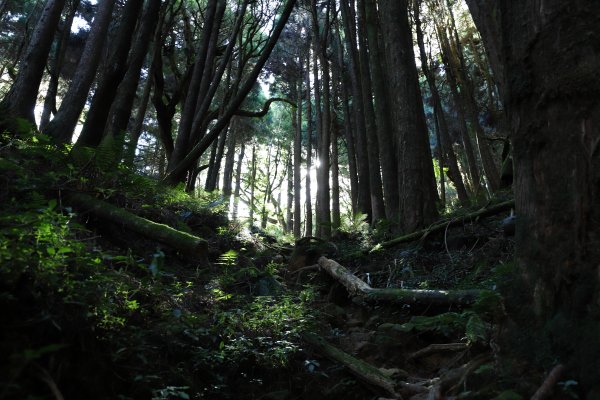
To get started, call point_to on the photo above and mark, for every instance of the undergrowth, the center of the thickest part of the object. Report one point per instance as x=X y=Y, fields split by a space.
x=83 y=318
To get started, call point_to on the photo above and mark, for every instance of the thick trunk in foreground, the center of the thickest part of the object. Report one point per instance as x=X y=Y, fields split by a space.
x=552 y=96
x=415 y=176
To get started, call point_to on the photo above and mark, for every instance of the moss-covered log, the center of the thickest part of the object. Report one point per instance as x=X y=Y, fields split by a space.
x=181 y=241
x=365 y=371
x=420 y=296
x=357 y=287
x=484 y=212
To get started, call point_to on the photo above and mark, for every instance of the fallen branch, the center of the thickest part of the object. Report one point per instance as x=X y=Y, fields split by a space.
x=545 y=391
x=437 y=348
x=181 y=241
x=452 y=379
x=484 y=212
x=358 y=287
x=359 y=368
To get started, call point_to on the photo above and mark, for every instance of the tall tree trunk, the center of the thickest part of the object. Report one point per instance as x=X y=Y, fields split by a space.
x=238 y=182
x=289 y=218
x=472 y=163
x=489 y=165
x=336 y=217
x=447 y=152
x=252 y=184
x=106 y=91
x=339 y=76
x=362 y=158
x=323 y=184
x=182 y=141
x=20 y=100
x=230 y=159
x=387 y=147
x=376 y=189
x=323 y=120
x=309 y=129
x=213 y=171
x=55 y=66
x=297 y=228
x=177 y=172
x=62 y=126
x=122 y=105
x=138 y=123
x=552 y=96
x=416 y=178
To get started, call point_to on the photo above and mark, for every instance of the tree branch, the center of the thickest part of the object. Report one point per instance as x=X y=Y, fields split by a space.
x=265 y=109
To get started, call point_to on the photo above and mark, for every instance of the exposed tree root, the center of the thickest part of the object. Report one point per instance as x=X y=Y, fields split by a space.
x=438 y=348
x=357 y=287
x=547 y=388
x=364 y=371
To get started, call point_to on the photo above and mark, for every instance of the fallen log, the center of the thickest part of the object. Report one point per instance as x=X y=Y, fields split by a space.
x=181 y=241
x=484 y=212
x=364 y=371
x=359 y=288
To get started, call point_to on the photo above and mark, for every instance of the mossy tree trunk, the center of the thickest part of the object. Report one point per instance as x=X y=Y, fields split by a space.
x=547 y=59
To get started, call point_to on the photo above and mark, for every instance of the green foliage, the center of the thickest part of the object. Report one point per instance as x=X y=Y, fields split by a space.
x=133 y=315
x=474 y=328
x=265 y=330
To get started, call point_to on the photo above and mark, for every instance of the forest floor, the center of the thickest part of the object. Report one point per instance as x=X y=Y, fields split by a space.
x=94 y=310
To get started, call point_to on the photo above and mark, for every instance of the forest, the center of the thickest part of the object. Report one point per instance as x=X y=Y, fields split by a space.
x=300 y=199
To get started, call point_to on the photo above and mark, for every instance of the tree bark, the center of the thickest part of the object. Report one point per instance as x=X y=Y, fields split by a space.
x=362 y=158
x=340 y=77
x=416 y=178
x=55 y=66
x=289 y=217
x=376 y=189
x=309 y=151
x=138 y=123
x=238 y=182
x=122 y=106
x=62 y=126
x=182 y=142
x=230 y=159
x=20 y=100
x=387 y=145
x=106 y=91
x=552 y=96
x=445 y=142
x=297 y=228
x=177 y=172
x=252 y=184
